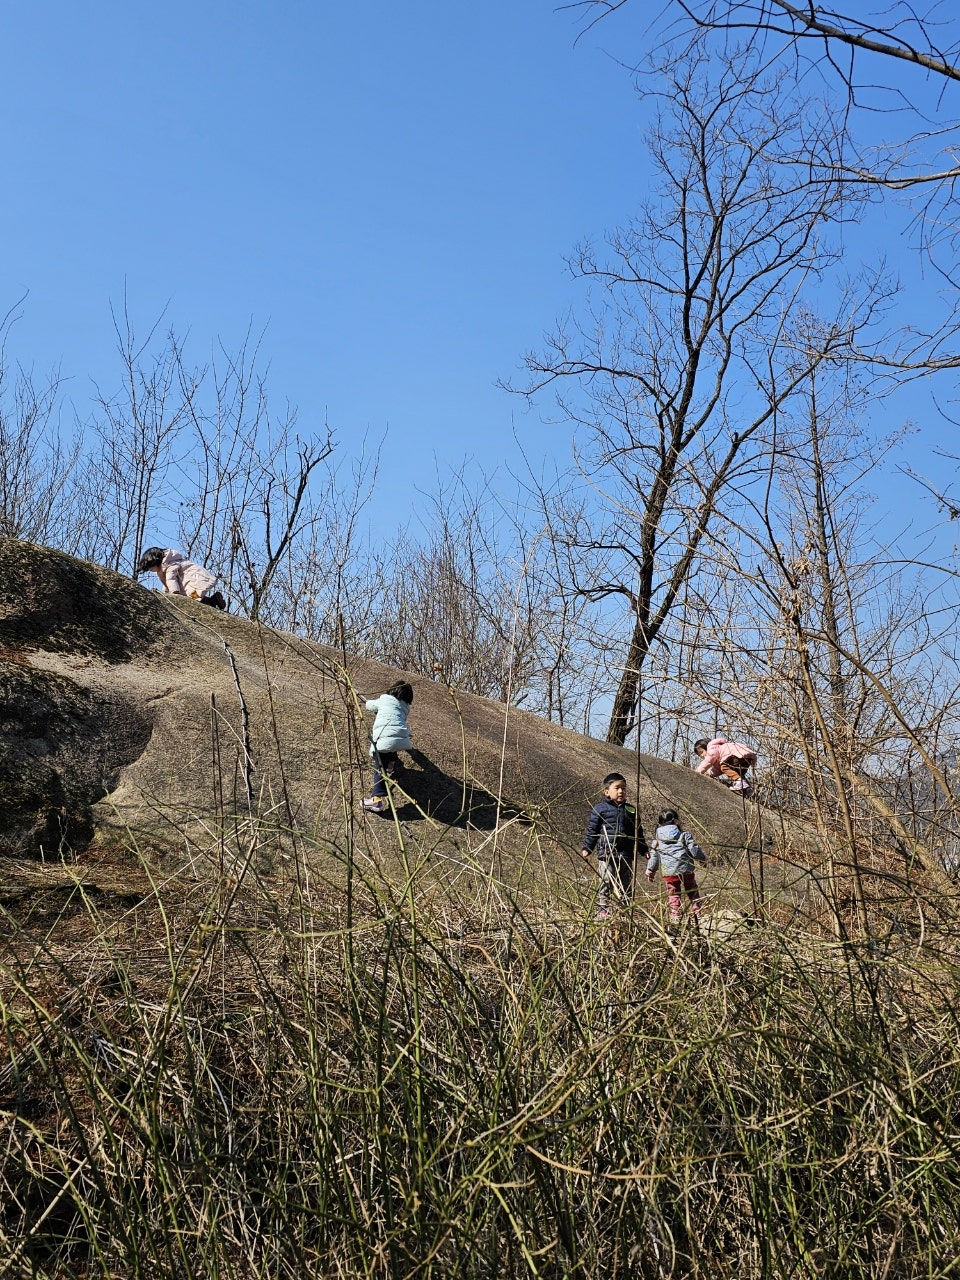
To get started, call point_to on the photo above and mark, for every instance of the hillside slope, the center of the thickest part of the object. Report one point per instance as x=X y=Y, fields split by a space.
x=126 y=711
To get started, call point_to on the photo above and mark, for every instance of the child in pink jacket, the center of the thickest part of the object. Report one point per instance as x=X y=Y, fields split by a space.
x=181 y=577
x=729 y=762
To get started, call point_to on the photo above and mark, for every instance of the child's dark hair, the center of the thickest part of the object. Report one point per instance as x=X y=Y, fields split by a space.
x=666 y=816
x=401 y=691
x=613 y=777
x=150 y=559
x=701 y=744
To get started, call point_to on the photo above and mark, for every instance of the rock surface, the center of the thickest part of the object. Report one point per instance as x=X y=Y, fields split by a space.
x=126 y=711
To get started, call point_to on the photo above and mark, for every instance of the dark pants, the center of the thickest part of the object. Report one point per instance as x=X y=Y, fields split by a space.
x=384 y=766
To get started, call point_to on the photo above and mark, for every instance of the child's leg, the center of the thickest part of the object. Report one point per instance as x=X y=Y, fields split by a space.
x=693 y=893
x=605 y=872
x=734 y=775
x=673 y=884
x=616 y=879
x=624 y=868
x=384 y=766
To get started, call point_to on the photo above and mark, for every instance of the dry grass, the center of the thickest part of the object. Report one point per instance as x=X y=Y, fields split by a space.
x=398 y=1059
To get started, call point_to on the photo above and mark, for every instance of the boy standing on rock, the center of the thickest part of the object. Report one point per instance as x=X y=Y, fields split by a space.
x=614 y=832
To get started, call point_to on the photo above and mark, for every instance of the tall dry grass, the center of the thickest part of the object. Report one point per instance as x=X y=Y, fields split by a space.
x=405 y=1053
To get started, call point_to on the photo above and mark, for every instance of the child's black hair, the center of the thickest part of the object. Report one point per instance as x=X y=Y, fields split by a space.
x=701 y=744
x=150 y=559
x=401 y=691
x=666 y=816
x=613 y=777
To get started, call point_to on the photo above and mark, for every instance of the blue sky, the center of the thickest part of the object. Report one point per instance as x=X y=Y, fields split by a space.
x=391 y=189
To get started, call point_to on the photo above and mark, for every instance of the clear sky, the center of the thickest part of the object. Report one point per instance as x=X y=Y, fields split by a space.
x=391 y=188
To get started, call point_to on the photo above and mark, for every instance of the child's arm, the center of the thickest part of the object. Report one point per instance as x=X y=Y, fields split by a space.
x=172 y=579
x=594 y=823
x=653 y=862
x=698 y=854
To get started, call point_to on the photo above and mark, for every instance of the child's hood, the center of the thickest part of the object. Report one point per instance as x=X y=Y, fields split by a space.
x=668 y=832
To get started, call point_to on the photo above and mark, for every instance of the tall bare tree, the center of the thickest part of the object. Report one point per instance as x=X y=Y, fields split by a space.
x=139 y=429
x=194 y=453
x=254 y=499
x=685 y=358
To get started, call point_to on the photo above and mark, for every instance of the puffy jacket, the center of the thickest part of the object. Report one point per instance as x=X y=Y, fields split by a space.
x=390 y=731
x=719 y=751
x=675 y=850
x=615 y=828
x=181 y=577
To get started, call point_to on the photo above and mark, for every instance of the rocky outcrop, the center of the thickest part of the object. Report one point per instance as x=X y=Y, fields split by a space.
x=125 y=710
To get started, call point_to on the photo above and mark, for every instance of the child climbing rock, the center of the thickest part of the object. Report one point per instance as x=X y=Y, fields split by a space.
x=181 y=577
x=390 y=734
x=728 y=762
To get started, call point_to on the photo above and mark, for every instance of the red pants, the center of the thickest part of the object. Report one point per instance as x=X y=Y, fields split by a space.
x=689 y=882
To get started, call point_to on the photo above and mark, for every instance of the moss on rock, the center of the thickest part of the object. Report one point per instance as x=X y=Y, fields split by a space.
x=61 y=750
x=54 y=602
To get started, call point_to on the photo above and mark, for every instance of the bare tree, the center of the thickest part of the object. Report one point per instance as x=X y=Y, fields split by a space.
x=36 y=466
x=139 y=429
x=686 y=360
x=194 y=452
x=332 y=586
x=899 y=30
x=465 y=602
x=255 y=497
x=886 y=75
x=832 y=647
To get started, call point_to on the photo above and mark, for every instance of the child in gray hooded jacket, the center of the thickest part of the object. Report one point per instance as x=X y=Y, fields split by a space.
x=676 y=853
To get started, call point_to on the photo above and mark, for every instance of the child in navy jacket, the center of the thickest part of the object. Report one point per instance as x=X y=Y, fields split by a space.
x=614 y=832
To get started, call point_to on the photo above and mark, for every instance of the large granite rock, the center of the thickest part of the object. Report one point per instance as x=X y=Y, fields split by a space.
x=126 y=711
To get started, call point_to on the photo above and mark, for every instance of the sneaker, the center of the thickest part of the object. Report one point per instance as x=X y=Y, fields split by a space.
x=376 y=804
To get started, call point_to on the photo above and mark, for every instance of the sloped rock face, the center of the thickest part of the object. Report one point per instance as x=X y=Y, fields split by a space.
x=62 y=745
x=121 y=707
x=53 y=602
x=61 y=750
